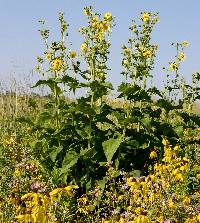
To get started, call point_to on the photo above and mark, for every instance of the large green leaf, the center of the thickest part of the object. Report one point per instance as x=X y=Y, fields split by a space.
x=54 y=152
x=69 y=161
x=110 y=146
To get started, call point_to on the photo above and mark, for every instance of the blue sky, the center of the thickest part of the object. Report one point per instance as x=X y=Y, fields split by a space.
x=20 y=42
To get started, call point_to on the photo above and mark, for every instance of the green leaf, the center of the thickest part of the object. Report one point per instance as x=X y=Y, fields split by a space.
x=69 y=161
x=102 y=183
x=135 y=173
x=54 y=153
x=51 y=83
x=110 y=147
x=179 y=130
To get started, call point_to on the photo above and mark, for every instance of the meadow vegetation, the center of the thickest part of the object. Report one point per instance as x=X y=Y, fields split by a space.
x=134 y=158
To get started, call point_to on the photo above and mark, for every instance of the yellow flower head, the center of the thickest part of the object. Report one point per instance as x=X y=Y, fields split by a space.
x=181 y=56
x=141 y=219
x=127 y=51
x=55 y=192
x=153 y=154
x=57 y=64
x=171 y=203
x=146 y=17
x=17 y=172
x=84 y=47
x=95 y=22
x=185 y=43
x=9 y=142
x=165 y=142
x=108 y=16
x=187 y=200
x=179 y=177
x=72 y=54
x=86 y=11
x=173 y=66
x=147 y=53
x=49 y=56
x=104 y=26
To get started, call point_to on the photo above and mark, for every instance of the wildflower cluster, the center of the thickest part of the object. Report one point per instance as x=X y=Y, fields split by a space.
x=92 y=158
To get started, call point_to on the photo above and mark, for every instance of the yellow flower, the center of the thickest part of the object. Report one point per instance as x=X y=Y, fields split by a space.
x=176 y=148
x=55 y=192
x=185 y=43
x=17 y=172
x=57 y=64
x=153 y=154
x=165 y=142
x=175 y=172
x=130 y=208
x=186 y=200
x=147 y=53
x=49 y=56
x=24 y=218
x=171 y=203
x=72 y=54
x=181 y=56
x=104 y=26
x=86 y=11
x=69 y=189
x=179 y=177
x=120 y=198
x=28 y=195
x=183 y=168
x=95 y=22
x=141 y=219
x=173 y=66
x=9 y=142
x=127 y=51
x=121 y=220
x=108 y=16
x=146 y=17
x=84 y=47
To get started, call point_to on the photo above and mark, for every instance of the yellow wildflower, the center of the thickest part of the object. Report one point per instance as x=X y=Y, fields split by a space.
x=9 y=142
x=185 y=43
x=183 y=168
x=55 y=192
x=95 y=22
x=86 y=11
x=181 y=56
x=146 y=17
x=24 y=218
x=127 y=51
x=108 y=16
x=173 y=66
x=104 y=26
x=179 y=177
x=120 y=198
x=176 y=148
x=147 y=53
x=69 y=189
x=84 y=47
x=49 y=56
x=141 y=219
x=171 y=203
x=153 y=154
x=165 y=142
x=187 y=200
x=72 y=54
x=17 y=172
x=57 y=64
